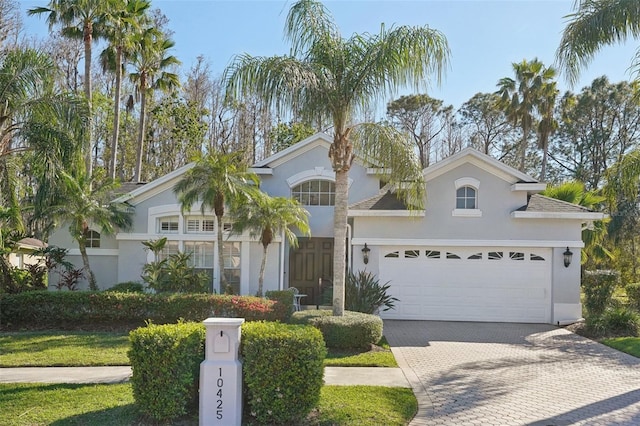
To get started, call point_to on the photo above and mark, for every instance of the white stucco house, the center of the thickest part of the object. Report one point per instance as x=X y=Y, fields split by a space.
x=487 y=246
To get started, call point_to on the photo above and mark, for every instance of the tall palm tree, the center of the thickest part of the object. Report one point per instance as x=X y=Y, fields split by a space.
x=265 y=217
x=122 y=23
x=521 y=96
x=84 y=205
x=150 y=60
x=548 y=124
x=595 y=24
x=80 y=19
x=328 y=77
x=216 y=179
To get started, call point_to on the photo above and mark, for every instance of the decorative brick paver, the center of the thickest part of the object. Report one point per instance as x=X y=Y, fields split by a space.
x=513 y=374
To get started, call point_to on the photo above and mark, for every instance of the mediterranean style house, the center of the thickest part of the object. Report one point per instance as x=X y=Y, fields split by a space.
x=487 y=246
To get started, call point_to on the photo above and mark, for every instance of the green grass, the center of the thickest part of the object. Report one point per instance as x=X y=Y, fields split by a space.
x=630 y=345
x=69 y=349
x=40 y=404
x=60 y=348
x=379 y=356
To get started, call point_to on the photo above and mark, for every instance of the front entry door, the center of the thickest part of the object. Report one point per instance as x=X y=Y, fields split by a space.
x=311 y=261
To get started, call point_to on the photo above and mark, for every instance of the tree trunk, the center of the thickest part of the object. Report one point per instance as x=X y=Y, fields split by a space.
x=88 y=35
x=116 y=114
x=141 y=130
x=93 y=285
x=523 y=147
x=223 y=279
x=340 y=235
x=262 y=267
x=543 y=171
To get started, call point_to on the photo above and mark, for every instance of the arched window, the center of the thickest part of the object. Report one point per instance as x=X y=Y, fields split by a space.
x=466 y=198
x=317 y=192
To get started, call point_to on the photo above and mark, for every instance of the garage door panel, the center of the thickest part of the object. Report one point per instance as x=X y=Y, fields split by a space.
x=511 y=289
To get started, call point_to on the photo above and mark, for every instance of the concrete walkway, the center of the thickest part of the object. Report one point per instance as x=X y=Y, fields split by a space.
x=513 y=374
x=372 y=376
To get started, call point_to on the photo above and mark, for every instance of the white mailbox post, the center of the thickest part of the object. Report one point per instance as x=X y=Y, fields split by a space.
x=221 y=374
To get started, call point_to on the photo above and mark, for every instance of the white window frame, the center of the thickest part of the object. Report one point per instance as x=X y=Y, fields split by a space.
x=299 y=194
x=467 y=182
x=169 y=220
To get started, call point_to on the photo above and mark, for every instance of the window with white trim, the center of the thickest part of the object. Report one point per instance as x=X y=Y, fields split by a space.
x=92 y=239
x=199 y=225
x=466 y=198
x=317 y=192
x=231 y=258
x=170 y=248
x=168 y=225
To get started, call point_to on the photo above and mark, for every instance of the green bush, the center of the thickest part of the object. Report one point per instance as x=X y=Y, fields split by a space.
x=127 y=287
x=353 y=330
x=598 y=288
x=633 y=293
x=620 y=321
x=285 y=302
x=91 y=310
x=165 y=360
x=282 y=370
x=364 y=293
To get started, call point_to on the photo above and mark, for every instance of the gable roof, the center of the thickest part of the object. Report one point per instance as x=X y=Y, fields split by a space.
x=480 y=160
x=318 y=139
x=144 y=192
x=384 y=203
x=542 y=207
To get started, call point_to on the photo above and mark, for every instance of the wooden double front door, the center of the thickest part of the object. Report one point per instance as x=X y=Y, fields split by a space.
x=310 y=262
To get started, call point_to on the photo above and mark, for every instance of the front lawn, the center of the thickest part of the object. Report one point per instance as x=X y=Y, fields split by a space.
x=82 y=349
x=63 y=349
x=31 y=404
x=630 y=345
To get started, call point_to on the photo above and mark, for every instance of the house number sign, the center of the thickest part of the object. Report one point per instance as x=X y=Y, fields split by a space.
x=221 y=374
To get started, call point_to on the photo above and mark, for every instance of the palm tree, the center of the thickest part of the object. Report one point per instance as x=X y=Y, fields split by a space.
x=265 y=217
x=594 y=235
x=521 y=96
x=80 y=19
x=214 y=180
x=150 y=60
x=328 y=77
x=83 y=206
x=547 y=125
x=595 y=24
x=122 y=24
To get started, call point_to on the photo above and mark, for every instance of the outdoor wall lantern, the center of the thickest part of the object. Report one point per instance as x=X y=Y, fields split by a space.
x=365 y=254
x=567 y=255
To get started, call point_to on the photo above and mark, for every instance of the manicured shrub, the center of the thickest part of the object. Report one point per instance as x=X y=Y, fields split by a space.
x=90 y=310
x=364 y=293
x=619 y=321
x=633 y=293
x=165 y=360
x=127 y=287
x=282 y=370
x=285 y=302
x=598 y=288
x=353 y=330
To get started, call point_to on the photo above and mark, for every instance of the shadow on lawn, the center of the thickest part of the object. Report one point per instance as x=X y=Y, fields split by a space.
x=124 y=415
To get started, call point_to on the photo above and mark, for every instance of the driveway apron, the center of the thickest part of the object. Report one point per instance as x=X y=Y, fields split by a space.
x=466 y=373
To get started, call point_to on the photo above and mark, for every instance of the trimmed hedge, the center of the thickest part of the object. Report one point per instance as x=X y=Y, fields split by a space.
x=285 y=299
x=88 y=310
x=353 y=330
x=165 y=360
x=282 y=371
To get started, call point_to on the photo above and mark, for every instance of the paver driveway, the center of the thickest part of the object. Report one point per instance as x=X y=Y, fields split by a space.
x=467 y=373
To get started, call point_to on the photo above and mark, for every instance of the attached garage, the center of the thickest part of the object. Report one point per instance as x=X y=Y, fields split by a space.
x=502 y=284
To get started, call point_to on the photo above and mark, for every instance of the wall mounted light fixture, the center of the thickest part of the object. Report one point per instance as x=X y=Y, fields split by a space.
x=567 y=256
x=365 y=254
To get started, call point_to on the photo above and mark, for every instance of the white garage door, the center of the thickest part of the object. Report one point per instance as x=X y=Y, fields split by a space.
x=468 y=284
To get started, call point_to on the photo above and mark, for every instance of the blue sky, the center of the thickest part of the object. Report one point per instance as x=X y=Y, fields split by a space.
x=485 y=37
